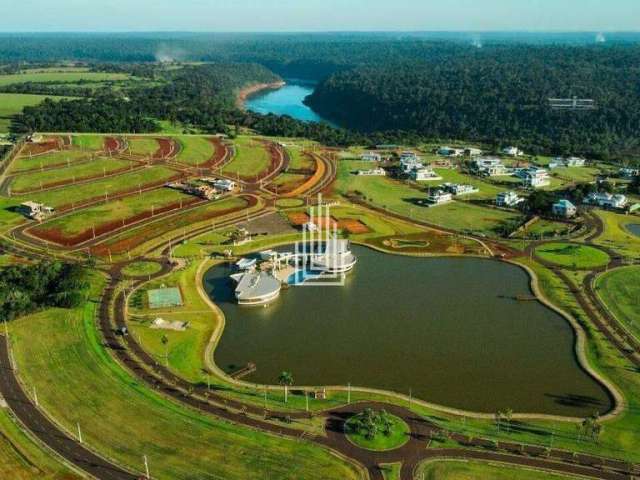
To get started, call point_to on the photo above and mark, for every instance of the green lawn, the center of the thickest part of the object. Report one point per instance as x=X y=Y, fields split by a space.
x=576 y=174
x=619 y=289
x=616 y=235
x=122 y=419
x=141 y=268
x=398 y=435
x=97 y=167
x=13 y=103
x=543 y=228
x=82 y=220
x=57 y=77
x=111 y=185
x=572 y=255
x=22 y=459
x=89 y=142
x=473 y=470
x=195 y=150
x=300 y=161
x=145 y=146
x=60 y=157
x=250 y=160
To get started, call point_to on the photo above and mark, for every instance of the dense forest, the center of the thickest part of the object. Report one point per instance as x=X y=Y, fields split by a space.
x=27 y=288
x=498 y=96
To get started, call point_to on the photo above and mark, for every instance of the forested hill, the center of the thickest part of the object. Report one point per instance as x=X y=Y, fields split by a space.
x=498 y=95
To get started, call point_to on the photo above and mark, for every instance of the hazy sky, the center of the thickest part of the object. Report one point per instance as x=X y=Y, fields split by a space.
x=323 y=15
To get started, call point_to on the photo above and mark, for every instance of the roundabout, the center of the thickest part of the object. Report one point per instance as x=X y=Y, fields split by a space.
x=377 y=430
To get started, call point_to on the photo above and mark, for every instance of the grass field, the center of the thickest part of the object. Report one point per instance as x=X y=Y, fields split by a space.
x=543 y=228
x=145 y=146
x=95 y=168
x=89 y=142
x=123 y=419
x=299 y=161
x=616 y=236
x=619 y=289
x=250 y=160
x=195 y=150
x=472 y=470
x=58 y=77
x=576 y=174
x=398 y=435
x=141 y=268
x=78 y=222
x=61 y=157
x=22 y=459
x=13 y=103
x=572 y=255
x=111 y=185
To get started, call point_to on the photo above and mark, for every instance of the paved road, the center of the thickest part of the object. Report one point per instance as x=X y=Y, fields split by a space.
x=49 y=433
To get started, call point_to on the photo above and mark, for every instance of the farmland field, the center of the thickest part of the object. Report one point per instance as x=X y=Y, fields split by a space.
x=59 y=77
x=252 y=158
x=13 y=103
x=195 y=150
x=95 y=168
x=111 y=185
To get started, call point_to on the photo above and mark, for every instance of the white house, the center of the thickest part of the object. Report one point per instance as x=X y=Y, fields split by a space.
x=629 y=172
x=606 y=200
x=379 y=172
x=459 y=189
x=564 y=208
x=439 y=197
x=371 y=157
x=575 y=162
x=489 y=167
x=512 y=151
x=423 y=174
x=508 y=199
x=535 y=178
x=472 y=151
x=36 y=211
x=221 y=184
x=450 y=152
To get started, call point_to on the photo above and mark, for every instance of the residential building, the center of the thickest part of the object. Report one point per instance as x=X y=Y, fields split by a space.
x=450 y=152
x=221 y=184
x=534 y=177
x=512 y=151
x=459 y=189
x=574 y=162
x=489 y=167
x=508 y=199
x=439 y=197
x=564 y=208
x=472 y=152
x=606 y=200
x=373 y=172
x=371 y=157
x=409 y=163
x=424 y=174
x=36 y=211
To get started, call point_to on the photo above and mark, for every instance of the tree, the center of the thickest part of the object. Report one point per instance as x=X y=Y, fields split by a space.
x=286 y=380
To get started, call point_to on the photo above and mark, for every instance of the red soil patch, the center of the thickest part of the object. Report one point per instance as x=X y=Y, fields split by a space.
x=297 y=218
x=57 y=236
x=324 y=223
x=31 y=149
x=167 y=148
x=150 y=231
x=352 y=225
x=112 y=145
x=221 y=154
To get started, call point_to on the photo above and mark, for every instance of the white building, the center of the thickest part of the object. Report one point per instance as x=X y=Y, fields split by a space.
x=629 y=172
x=221 y=184
x=489 y=167
x=439 y=197
x=535 y=178
x=512 y=151
x=379 y=172
x=451 y=152
x=459 y=189
x=409 y=161
x=371 y=157
x=472 y=151
x=424 y=174
x=564 y=208
x=36 y=211
x=508 y=199
x=606 y=200
x=572 y=161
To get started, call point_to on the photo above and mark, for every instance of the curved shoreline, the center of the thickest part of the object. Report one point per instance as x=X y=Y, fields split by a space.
x=618 y=400
x=249 y=91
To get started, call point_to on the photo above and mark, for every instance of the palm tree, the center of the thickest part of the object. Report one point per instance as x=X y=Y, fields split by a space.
x=508 y=415
x=165 y=342
x=286 y=380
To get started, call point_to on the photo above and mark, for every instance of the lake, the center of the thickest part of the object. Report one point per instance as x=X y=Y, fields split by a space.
x=287 y=100
x=449 y=329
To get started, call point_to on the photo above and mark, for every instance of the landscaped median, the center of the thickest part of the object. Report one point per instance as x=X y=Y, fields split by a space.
x=573 y=255
x=377 y=431
x=619 y=290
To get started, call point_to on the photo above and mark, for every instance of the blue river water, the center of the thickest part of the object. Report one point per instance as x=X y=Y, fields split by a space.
x=287 y=100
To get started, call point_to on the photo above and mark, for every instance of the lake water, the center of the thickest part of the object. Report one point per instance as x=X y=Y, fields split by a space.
x=449 y=329
x=634 y=228
x=287 y=100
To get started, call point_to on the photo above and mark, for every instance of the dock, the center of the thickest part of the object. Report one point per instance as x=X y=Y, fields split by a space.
x=248 y=369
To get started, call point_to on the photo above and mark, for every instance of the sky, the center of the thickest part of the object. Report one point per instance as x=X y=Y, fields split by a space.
x=319 y=15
